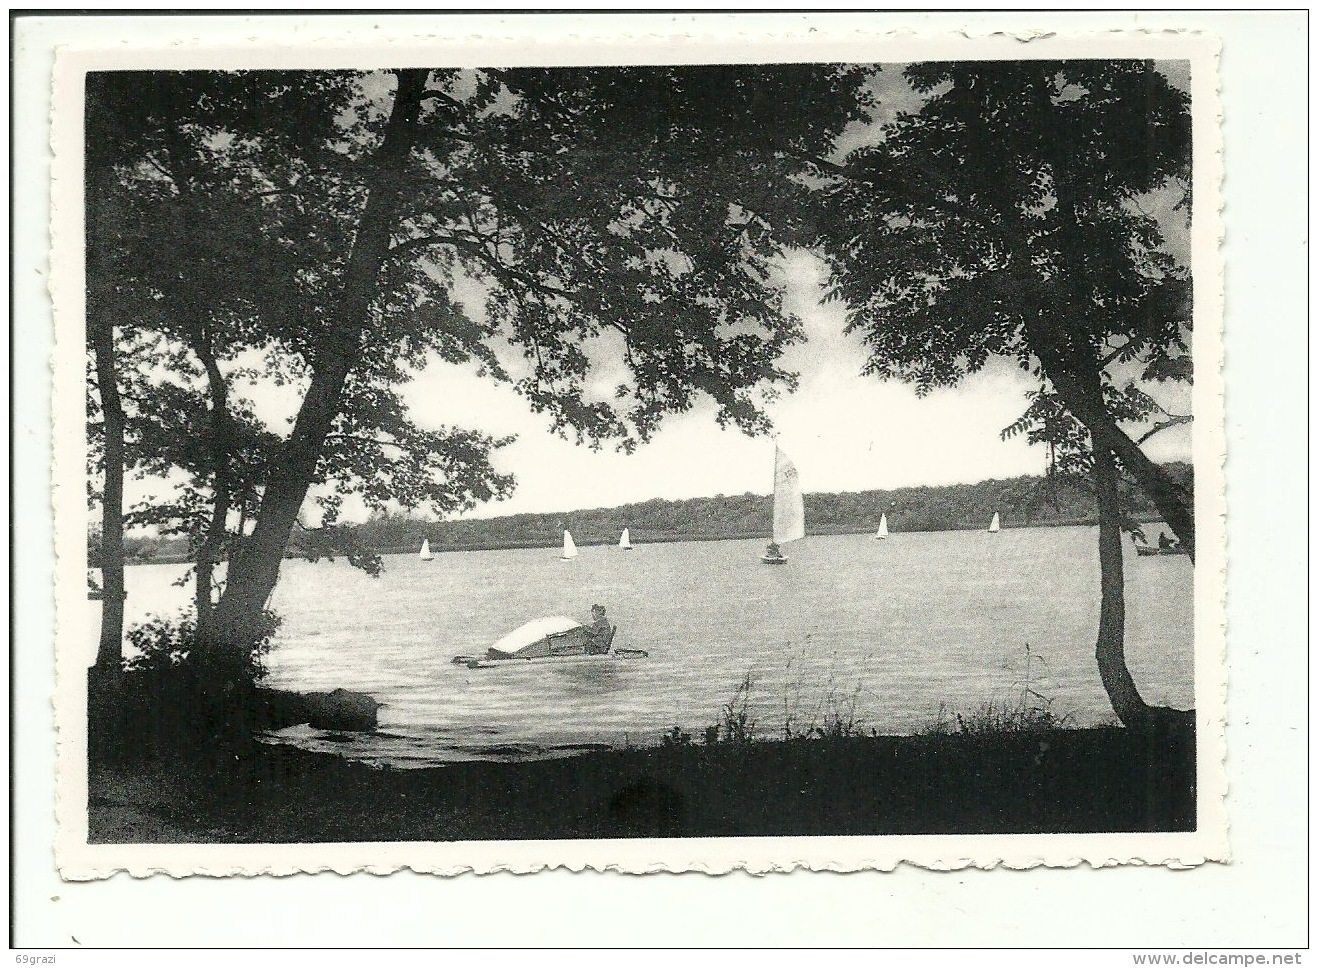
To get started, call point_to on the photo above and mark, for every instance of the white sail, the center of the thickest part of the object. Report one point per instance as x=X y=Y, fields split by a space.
x=569 y=546
x=883 y=527
x=788 y=505
x=625 y=542
x=425 y=550
x=995 y=524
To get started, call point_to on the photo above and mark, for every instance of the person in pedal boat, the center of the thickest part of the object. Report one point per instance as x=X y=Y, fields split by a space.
x=599 y=631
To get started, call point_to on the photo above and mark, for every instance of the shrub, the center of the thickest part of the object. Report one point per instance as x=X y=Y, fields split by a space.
x=173 y=701
x=164 y=645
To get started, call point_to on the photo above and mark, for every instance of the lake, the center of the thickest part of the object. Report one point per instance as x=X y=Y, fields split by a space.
x=890 y=630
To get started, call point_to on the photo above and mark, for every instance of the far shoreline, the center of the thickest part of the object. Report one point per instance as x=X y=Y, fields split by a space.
x=640 y=539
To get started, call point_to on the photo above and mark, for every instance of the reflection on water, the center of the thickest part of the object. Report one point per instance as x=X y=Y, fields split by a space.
x=592 y=678
x=889 y=629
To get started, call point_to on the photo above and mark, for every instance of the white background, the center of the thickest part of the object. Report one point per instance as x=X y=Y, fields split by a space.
x=1260 y=900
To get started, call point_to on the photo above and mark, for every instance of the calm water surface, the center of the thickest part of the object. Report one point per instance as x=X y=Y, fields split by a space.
x=897 y=627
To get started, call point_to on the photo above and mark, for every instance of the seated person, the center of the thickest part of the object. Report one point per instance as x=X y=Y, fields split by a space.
x=1165 y=541
x=773 y=551
x=599 y=632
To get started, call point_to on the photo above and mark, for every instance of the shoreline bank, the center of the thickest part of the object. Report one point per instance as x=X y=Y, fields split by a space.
x=1047 y=781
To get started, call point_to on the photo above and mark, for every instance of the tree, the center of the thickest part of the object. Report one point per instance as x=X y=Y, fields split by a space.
x=113 y=593
x=188 y=253
x=619 y=220
x=1004 y=218
x=135 y=295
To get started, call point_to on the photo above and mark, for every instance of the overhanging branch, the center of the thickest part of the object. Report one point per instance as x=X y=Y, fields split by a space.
x=1174 y=421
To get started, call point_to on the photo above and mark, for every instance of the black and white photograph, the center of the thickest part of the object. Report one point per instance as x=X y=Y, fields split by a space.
x=599 y=457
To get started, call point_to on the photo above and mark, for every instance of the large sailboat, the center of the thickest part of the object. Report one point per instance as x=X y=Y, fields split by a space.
x=788 y=508
x=625 y=542
x=995 y=525
x=883 y=528
x=426 y=554
x=569 y=547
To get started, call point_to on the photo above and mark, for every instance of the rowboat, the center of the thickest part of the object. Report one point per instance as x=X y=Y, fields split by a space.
x=1148 y=550
x=553 y=639
x=473 y=662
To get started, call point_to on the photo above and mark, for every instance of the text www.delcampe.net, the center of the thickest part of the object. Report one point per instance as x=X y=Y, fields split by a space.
x=1216 y=958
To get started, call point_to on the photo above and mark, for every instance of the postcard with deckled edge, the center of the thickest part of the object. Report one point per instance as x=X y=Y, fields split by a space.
x=639 y=452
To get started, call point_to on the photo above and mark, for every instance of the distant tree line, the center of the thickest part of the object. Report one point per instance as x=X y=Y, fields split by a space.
x=1021 y=501
x=1030 y=500
x=138 y=549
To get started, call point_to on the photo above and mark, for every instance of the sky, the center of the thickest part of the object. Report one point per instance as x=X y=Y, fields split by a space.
x=844 y=431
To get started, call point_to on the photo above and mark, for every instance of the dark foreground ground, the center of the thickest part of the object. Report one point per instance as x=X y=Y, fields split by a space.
x=1073 y=780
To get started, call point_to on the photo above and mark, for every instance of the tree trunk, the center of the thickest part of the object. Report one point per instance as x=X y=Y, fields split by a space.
x=1078 y=380
x=221 y=447
x=254 y=567
x=1085 y=401
x=1057 y=348
x=1169 y=499
x=109 y=652
x=1110 y=649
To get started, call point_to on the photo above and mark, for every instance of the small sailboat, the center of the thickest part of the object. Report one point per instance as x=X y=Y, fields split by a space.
x=883 y=528
x=788 y=508
x=995 y=525
x=569 y=547
x=625 y=542
x=425 y=550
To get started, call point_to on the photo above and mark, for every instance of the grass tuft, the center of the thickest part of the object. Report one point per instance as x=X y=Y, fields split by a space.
x=737 y=722
x=994 y=718
x=1031 y=712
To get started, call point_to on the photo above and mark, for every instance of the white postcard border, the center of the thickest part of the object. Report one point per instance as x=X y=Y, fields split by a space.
x=78 y=860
